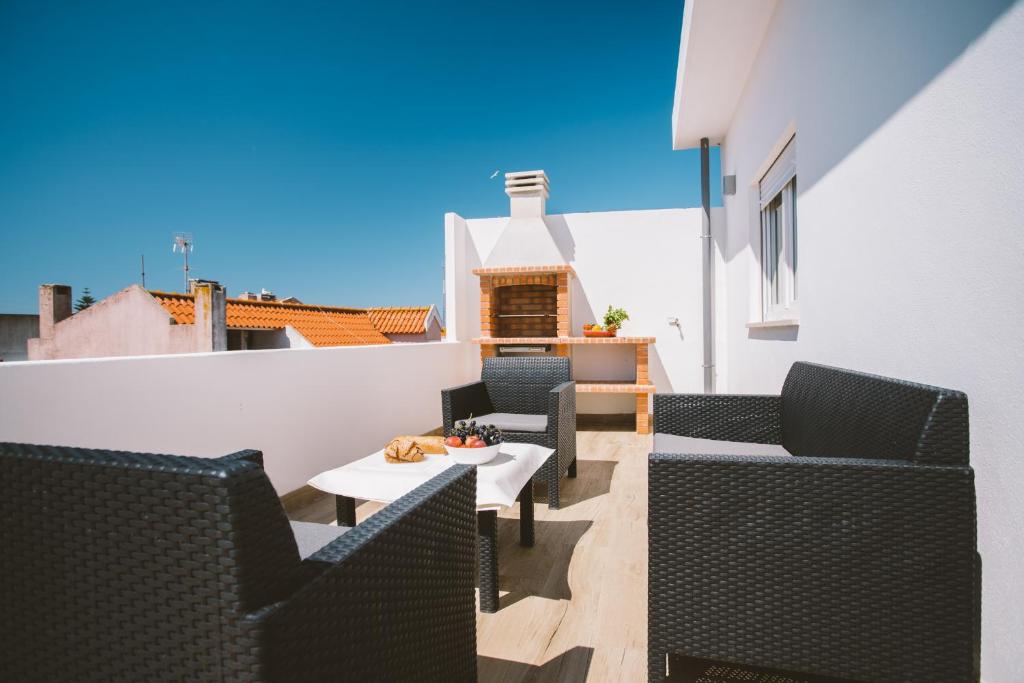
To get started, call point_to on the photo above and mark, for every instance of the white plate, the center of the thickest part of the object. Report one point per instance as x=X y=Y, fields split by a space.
x=473 y=456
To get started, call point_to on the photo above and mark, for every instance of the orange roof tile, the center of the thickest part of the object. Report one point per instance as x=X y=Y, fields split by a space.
x=400 y=320
x=320 y=325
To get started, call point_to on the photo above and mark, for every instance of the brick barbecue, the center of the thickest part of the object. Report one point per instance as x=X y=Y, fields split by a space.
x=525 y=297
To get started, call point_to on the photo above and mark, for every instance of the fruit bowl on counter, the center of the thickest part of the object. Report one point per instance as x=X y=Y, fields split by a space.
x=472 y=444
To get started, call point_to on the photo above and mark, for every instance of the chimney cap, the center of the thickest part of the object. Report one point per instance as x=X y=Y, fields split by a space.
x=527 y=184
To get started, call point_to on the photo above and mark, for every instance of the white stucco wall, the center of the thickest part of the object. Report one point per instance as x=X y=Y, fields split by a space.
x=307 y=409
x=647 y=262
x=909 y=166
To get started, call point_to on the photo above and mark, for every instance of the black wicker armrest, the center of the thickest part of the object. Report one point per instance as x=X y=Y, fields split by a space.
x=562 y=423
x=853 y=568
x=395 y=599
x=248 y=455
x=738 y=417
x=562 y=407
x=458 y=403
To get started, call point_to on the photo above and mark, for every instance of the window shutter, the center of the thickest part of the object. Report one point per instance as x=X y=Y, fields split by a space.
x=780 y=173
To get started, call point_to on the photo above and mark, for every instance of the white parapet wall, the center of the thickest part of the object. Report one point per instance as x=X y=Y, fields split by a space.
x=307 y=409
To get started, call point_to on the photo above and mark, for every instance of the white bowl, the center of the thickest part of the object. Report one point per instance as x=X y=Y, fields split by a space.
x=473 y=456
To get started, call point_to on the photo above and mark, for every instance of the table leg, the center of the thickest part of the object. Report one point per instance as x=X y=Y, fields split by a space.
x=487 y=534
x=526 y=515
x=346 y=508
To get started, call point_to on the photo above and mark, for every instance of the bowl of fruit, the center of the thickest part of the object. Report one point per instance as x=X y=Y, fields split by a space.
x=473 y=444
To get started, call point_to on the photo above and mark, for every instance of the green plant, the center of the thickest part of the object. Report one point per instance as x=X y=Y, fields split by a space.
x=615 y=317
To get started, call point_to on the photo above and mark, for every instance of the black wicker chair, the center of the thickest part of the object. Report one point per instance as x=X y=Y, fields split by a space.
x=855 y=559
x=537 y=393
x=141 y=567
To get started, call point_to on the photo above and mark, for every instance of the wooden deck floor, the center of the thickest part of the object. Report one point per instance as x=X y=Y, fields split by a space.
x=573 y=607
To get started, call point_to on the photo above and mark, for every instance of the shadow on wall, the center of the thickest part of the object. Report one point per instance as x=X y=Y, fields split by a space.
x=920 y=38
x=659 y=376
x=571 y=666
x=582 y=309
x=774 y=333
x=560 y=233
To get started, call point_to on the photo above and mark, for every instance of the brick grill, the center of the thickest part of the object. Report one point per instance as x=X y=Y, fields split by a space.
x=524 y=304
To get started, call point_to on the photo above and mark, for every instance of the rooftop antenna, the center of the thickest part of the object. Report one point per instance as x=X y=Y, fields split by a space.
x=143 y=271
x=183 y=242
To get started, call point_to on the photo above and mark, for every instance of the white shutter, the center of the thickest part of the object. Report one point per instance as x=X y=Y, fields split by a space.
x=780 y=173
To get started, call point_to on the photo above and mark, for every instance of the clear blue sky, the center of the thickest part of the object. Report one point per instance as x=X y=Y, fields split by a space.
x=313 y=148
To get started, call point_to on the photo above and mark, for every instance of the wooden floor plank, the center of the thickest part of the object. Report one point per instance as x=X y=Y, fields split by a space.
x=573 y=607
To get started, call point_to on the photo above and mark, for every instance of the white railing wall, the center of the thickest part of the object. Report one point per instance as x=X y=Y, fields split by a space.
x=306 y=409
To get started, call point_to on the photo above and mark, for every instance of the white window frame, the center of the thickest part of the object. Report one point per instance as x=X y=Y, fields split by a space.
x=777 y=199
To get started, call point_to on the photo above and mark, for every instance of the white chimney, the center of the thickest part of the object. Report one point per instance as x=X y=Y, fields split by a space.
x=528 y=193
x=527 y=239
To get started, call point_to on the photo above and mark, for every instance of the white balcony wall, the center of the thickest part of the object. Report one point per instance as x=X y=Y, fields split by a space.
x=307 y=409
x=647 y=262
x=911 y=253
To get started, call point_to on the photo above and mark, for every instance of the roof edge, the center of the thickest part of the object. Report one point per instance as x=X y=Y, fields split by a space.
x=718 y=47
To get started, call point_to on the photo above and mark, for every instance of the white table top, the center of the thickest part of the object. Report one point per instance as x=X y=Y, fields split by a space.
x=373 y=478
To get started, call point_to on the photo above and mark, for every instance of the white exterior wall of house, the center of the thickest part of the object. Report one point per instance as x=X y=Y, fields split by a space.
x=308 y=410
x=909 y=153
x=647 y=262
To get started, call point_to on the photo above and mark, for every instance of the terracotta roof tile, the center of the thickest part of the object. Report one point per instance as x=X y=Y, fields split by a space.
x=180 y=306
x=400 y=320
x=320 y=325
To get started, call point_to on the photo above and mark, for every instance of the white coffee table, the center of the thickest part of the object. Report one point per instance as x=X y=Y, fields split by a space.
x=498 y=484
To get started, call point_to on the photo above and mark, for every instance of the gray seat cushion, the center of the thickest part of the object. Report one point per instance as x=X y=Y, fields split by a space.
x=670 y=443
x=514 y=422
x=310 y=536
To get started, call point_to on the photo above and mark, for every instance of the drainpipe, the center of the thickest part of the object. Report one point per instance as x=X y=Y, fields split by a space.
x=707 y=266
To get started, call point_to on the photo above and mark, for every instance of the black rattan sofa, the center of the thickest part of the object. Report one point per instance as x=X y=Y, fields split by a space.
x=852 y=555
x=532 y=400
x=140 y=567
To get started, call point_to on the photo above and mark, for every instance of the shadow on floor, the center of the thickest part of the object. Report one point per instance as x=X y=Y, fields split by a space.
x=542 y=570
x=593 y=479
x=569 y=667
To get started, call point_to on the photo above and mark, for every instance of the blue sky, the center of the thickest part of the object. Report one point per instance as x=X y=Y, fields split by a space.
x=313 y=148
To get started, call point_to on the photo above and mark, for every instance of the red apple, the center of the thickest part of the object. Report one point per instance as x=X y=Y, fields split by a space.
x=479 y=443
x=453 y=441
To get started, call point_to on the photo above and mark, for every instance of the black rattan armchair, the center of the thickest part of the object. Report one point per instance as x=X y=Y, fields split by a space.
x=852 y=555
x=138 y=567
x=533 y=400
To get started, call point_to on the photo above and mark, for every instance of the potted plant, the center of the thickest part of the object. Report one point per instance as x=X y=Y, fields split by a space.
x=614 y=318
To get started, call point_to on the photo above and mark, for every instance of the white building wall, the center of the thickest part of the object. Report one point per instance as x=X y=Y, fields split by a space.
x=911 y=248
x=647 y=262
x=308 y=410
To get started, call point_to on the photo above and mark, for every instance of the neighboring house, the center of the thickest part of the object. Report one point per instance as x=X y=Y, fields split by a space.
x=135 y=322
x=15 y=331
x=408 y=323
x=128 y=323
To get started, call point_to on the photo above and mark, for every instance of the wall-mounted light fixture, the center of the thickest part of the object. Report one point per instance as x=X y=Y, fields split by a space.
x=729 y=185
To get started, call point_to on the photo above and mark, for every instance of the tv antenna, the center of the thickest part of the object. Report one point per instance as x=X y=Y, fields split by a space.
x=184 y=242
